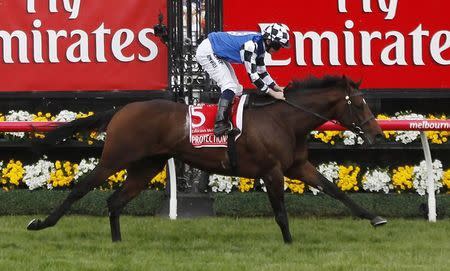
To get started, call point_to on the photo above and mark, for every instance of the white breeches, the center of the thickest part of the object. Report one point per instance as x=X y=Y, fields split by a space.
x=219 y=70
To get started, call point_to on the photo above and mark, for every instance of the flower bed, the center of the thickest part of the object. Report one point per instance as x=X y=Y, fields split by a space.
x=406 y=137
x=351 y=178
x=46 y=174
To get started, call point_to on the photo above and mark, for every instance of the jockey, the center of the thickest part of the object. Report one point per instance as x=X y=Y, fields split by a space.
x=220 y=49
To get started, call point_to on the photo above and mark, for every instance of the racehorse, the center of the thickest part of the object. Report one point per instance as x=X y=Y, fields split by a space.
x=142 y=136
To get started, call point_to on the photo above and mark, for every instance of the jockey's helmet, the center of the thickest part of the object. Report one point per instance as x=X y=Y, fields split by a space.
x=277 y=34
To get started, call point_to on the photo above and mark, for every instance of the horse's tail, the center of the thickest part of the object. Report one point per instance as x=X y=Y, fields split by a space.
x=97 y=121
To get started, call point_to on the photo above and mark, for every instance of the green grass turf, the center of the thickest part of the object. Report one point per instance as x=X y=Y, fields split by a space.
x=151 y=243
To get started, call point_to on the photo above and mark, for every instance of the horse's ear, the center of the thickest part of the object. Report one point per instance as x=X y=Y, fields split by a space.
x=345 y=81
x=359 y=84
x=288 y=86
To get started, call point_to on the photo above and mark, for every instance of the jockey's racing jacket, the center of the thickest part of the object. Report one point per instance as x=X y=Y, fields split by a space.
x=247 y=48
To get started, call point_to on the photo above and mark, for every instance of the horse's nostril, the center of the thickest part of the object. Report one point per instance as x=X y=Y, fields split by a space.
x=379 y=138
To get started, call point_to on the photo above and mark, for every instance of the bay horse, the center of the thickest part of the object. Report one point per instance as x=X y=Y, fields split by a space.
x=142 y=136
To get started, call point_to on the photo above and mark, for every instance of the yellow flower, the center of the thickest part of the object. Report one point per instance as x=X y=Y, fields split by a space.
x=246 y=184
x=387 y=134
x=446 y=179
x=118 y=177
x=327 y=136
x=295 y=186
x=437 y=137
x=41 y=117
x=63 y=174
x=402 y=178
x=348 y=178
x=159 y=181
x=12 y=174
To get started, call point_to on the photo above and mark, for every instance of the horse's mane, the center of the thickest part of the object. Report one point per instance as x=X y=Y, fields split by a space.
x=324 y=82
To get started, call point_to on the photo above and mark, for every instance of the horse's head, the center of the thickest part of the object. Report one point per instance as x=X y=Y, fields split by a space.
x=353 y=112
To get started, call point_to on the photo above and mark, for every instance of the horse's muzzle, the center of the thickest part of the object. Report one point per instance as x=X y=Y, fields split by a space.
x=379 y=138
x=371 y=140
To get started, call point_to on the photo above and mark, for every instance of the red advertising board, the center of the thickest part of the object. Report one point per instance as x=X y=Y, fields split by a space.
x=388 y=44
x=57 y=45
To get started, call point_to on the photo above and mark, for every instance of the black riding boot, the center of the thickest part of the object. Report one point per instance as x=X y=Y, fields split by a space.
x=222 y=124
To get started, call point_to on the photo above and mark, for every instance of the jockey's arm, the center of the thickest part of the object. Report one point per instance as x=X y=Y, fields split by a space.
x=265 y=76
x=256 y=69
x=248 y=56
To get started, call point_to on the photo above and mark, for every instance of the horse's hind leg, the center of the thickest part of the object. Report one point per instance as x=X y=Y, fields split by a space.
x=275 y=190
x=92 y=180
x=310 y=175
x=139 y=174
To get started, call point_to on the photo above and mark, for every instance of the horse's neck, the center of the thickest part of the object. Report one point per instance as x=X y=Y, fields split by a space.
x=319 y=102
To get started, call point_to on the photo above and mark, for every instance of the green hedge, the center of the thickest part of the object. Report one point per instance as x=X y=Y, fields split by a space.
x=149 y=202
x=25 y=202
x=390 y=205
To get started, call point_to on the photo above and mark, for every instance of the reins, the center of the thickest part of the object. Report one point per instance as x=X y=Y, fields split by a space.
x=309 y=111
x=356 y=127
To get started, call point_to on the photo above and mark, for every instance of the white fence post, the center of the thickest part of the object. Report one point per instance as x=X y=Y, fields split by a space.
x=173 y=190
x=430 y=182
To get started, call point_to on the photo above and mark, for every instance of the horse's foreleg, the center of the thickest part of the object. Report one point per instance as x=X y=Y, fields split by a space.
x=311 y=176
x=139 y=174
x=92 y=180
x=275 y=190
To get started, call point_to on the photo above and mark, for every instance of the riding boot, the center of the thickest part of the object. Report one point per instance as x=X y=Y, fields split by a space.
x=222 y=124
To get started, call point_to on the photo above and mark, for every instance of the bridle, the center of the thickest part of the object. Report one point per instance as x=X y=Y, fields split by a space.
x=356 y=126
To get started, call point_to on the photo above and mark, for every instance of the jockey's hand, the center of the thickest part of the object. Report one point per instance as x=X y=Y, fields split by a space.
x=278 y=88
x=279 y=95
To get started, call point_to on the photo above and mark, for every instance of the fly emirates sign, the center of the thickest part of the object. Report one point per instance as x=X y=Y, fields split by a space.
x=81 y=45
x=386 y=43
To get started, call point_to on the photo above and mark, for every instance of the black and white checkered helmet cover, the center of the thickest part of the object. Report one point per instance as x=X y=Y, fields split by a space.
x=278 y=33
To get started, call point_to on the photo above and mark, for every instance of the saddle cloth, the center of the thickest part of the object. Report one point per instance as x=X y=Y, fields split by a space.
x=201 y=123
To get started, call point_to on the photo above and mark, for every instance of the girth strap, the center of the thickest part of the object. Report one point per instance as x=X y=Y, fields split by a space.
x=232 y=151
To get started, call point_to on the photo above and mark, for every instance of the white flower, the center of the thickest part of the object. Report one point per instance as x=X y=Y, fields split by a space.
x=420 y=177
x=101 y=136
x=38 y=174
x=351 y=138
x=219 y=183
x=263 y=185
x=84 y=167
x=66 y=116
x=377 y=180
x=330 y=171
x=18 y=116
x=407 y=136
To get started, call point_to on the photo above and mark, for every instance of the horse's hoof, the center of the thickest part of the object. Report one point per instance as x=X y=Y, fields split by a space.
x=378 y=221
x=35 y=225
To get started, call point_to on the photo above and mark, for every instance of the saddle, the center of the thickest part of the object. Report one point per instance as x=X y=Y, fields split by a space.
x=202 y=119
x=201 y=125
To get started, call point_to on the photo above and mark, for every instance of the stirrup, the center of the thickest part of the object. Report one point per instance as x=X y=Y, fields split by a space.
x=221 y=128
x=234 y=131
